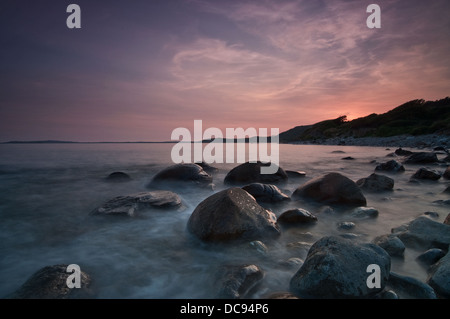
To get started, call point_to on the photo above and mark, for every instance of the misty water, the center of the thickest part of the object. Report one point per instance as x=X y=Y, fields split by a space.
x=48 y=190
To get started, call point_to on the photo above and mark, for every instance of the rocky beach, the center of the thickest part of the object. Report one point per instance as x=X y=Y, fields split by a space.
x=313 y=231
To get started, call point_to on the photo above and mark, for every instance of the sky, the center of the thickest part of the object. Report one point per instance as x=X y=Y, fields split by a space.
x=137 y=70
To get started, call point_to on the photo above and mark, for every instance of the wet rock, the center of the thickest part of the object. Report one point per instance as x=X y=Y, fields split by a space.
x=207 y=168
x=424 y=232
x=376 y=183
x=446 y=174
x=431 y=256
x=295 y=174
x=392 y=244
x=364 y=212
x=296 y=216
x=337 y=152
x=266 y=193
x=422 y=158
x=345 y=225
x=447 y=190
x=388 y=294
x=232 y=214
x=234 y=282
x=281 y=295
x=439 y=277
x=447 y=220
x=326 y=210
x=440 y=149
x=131 y=205
x=391 y=155
x=402 y=152
x=259 y=247
x=426 y=173
x=412 y=287
x=391 y=166
x=446 y=159
x=333 y=188
x=432 y=215
x=191 y=174
x=348 y=158
x=51 y=283
x=251 y=173
x=293 y=262
x=118 y=177
x=337 y=268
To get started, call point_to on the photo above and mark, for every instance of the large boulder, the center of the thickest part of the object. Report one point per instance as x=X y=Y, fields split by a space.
x=131 y=205
x=431 y=256
x=376 y=183
x=230 y=215
x=50 y=282
x=338 y=268
x=266 y=193
x=251 y=173
x=424 y=232
x=332 y=188
x=235 y=282
x=392 y=244
x=391 y=166
x=426 y=173
x=422 y=158
x=191 y=174
x=439 y=277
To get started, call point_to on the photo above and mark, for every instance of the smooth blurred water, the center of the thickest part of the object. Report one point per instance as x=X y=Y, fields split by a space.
x=48 y=190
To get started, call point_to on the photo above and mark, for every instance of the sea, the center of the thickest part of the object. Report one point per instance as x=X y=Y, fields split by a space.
x=47 y=192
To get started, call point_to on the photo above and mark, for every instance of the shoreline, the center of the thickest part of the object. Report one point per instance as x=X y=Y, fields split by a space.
x=421 y=141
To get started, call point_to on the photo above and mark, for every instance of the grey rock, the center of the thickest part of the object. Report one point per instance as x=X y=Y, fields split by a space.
x=251 y=173
x=364 y=212
x=295 y=174
x=412 y=287
x=422 y=158
x=118 y=177
x=296 y=216
x=232 y=214
x=337 y=268
x=402 y=152
x=391 y=166
x=426 y=173
x=345 y=225
x=182 y=174
x=432 y=215
x=439 y=277
x=131 y=205
x=333 y=188
x=51 y=283
x=376 y=183
x=235 y=282
x=293 y=262
x=392 y=244
x=424 y=232
x=259 y=247
x=207 y=168
x=431 y=256
x=266 y=193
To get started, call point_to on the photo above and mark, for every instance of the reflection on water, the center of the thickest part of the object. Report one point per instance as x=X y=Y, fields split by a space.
x=47 y=192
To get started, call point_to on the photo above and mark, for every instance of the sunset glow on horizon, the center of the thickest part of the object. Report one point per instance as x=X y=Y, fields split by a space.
x=136 y=70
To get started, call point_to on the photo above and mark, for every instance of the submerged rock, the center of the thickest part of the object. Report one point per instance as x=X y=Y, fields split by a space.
x=390 y=166
x=402 y=152
x=426 y=173
x=376 y=183
x=266 y=193
x=422 y=158
x=426 y=232
x=337 y=268
x=295 y=174
x=431 y=256
x=364 y=212
x=296 y=216
x=207 y=168
x=348 y=158
x=411 y=287
x=251 y=173
x=345 y=225
x=392 y=244
x=118 y=177
x=439 y=277
x=175 y=175
x=133 y=204
x=230 y=215
x=333 y=188
x=446 y=174
x=236 y=282
x=51 y=283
